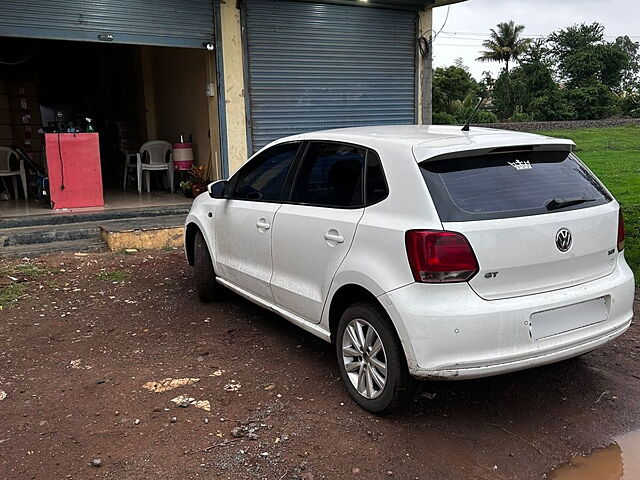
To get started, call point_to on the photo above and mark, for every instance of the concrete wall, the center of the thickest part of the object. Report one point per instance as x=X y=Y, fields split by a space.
x=179 y=82
x=234 y=85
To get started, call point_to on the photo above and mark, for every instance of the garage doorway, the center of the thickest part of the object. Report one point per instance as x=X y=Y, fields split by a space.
x=131 y=93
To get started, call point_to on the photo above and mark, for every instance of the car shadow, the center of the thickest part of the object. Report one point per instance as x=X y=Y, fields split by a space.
x=531 y=393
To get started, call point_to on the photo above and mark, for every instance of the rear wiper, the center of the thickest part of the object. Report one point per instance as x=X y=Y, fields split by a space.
x=558 y=203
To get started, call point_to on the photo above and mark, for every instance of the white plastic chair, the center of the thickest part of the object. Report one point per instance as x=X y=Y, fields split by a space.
x=152 y=157
x=5 y=170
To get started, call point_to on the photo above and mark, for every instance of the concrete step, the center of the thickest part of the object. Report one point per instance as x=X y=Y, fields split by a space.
x=84 y=230
x=95 y=216
x=86 y=245
x=153 y=223
x=144 y=233
x=49 y=233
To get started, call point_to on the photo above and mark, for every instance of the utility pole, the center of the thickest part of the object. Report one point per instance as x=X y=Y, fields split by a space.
x=426 y=57
x=427 y=89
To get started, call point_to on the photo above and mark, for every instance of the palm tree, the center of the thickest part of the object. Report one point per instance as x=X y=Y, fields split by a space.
x=505 y=44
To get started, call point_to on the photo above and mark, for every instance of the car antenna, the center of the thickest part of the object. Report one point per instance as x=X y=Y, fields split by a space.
x=475 y=110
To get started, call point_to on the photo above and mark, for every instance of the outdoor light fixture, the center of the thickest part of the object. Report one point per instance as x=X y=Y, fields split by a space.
x=208 y=46
x=105 y=37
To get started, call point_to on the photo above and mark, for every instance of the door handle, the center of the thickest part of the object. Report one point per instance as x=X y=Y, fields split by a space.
x=330 y=237
x=263 y=225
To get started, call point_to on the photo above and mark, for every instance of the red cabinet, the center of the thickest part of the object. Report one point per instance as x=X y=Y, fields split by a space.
x=73 y=164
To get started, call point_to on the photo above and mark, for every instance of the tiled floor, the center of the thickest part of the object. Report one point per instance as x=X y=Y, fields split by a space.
x=113 y=200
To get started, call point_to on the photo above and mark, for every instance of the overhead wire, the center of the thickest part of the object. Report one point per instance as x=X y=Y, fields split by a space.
x=446 y=19
x=537 y=35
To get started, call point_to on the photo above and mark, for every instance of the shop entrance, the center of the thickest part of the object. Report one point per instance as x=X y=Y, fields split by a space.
x=127 y=94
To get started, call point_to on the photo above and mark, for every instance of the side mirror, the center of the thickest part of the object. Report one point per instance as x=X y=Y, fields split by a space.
x=218 y=189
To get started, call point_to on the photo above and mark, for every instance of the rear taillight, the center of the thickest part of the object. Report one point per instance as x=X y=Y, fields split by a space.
x=620 y=231
x=436 y=256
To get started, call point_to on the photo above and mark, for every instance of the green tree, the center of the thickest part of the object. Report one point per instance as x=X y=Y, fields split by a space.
x=593 y=100
x=590 y=68
x=530 y=90
x=630 y=74
x=507 y=96
x=629 y=91
x=451 y=84
x=582 y=56
x=504 y=45
x=455 y=94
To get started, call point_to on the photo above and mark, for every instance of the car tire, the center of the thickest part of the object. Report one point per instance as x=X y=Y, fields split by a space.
x=400 y=388
x=206 y=286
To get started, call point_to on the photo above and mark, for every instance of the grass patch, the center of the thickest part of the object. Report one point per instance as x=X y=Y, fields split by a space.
x=23 y=270
x=9 y=294
x=25 y=273
x=29 y=270
x=113 y=276
x=613 y=154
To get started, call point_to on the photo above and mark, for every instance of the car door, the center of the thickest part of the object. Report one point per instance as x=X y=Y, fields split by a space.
x=314 y=230
x=244 y=221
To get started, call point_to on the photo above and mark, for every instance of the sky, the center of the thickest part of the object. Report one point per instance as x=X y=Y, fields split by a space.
x=469 y=22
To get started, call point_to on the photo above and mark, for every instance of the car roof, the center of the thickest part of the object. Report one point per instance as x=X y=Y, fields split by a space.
x=428 y=141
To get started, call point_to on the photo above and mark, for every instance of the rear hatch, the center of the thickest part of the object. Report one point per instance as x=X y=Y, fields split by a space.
x=536 y=220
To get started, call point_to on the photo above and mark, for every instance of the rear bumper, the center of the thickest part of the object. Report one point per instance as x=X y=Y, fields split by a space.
x=449 y=332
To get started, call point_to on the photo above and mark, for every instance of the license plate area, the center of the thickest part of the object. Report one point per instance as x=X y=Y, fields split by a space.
x=564 y=319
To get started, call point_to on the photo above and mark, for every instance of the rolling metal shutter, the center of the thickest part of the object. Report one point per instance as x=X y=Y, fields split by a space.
x=175 y=23
x=314 y=66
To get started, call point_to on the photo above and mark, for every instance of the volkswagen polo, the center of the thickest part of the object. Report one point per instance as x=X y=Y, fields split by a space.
x=420 y=252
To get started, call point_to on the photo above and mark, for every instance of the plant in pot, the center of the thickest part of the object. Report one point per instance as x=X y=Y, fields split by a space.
x=196 y=184
x=186 y=188
x=199 y=180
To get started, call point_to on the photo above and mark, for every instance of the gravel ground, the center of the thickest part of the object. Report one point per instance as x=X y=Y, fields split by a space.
x=88 y=333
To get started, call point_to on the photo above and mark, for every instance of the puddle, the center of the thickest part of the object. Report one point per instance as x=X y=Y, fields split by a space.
x=618 y=461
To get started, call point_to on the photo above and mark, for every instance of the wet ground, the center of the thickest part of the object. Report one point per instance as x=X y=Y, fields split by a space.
x=89 y=335
x=618 y=461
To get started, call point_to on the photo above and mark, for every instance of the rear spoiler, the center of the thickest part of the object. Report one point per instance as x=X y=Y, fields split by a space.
x=543 y=147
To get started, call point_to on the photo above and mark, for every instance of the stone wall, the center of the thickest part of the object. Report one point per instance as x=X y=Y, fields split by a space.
x=533 y=126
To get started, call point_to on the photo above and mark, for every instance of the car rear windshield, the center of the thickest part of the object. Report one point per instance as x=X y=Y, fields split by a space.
x=510 y=184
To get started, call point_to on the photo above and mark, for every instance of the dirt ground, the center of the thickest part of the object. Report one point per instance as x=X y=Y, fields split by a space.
x=87 y=332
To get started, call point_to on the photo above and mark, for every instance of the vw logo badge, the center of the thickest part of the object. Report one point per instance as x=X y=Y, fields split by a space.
x=564 y=240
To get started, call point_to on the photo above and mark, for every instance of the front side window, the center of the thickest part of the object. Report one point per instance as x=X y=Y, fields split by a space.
x=331 y=175
x=514 y=184
x=264 y=177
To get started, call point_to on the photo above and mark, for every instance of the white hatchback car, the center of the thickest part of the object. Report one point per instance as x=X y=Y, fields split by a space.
x=420 y=252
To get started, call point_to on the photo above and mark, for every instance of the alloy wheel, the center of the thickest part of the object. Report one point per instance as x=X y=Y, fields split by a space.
x=364 y=357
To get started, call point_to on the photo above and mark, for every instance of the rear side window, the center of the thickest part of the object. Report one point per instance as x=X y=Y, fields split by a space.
x=376 y=183
x=330 y=175
x=263 y=178
x=510 y=185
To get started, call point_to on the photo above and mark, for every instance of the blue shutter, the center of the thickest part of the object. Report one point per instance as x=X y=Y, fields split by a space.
x=176 y=23
x=314 y=66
